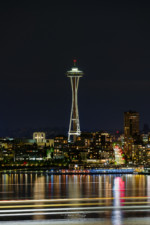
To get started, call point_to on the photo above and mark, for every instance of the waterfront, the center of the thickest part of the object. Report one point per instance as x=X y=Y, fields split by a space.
x=115 y=199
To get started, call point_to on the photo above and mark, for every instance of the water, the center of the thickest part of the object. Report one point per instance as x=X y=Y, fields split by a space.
x=79 y=199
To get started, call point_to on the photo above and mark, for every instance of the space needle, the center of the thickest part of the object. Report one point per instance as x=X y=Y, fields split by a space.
x=74 y=126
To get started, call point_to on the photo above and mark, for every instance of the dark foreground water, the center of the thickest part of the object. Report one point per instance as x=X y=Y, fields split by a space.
x=74 y=199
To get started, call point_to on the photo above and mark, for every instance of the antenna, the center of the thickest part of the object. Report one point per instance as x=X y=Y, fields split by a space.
x=74 y=62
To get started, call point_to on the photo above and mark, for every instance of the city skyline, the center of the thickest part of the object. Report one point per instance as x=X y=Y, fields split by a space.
x=39 y=42
x=131 y=123
x=74 y=150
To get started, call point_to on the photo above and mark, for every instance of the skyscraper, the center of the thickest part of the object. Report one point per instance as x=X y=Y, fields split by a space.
x=131 y=124
x=74 y=126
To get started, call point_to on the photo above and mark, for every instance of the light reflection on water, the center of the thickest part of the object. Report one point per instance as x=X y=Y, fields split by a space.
x=39 y=193
x=41 y=186
x=119 y=192
x=21 y=186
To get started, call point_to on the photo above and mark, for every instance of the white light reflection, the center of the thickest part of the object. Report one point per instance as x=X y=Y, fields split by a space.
x=148 y=188
x=118 y=192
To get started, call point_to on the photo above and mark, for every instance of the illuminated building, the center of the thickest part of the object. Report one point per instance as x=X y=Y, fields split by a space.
x=95 y=147
x=139 y=154
x=131 y=135
x=102 y=139
x=39 y=137
x=131 y=124
x=148 y=154
x=74 y=126
x=145 y=138
x=60 y=145
x=102 y=143
x=119 y=156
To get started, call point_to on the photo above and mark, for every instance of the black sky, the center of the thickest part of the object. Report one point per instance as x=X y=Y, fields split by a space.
x=39 y=40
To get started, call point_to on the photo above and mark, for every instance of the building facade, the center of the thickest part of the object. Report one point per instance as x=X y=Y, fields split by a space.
x=39 y=137
x=131 y=124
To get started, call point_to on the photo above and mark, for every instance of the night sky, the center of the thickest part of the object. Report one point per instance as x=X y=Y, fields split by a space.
x=40 y=39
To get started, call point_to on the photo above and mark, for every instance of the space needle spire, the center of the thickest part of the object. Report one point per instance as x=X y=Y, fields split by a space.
x=74 y=126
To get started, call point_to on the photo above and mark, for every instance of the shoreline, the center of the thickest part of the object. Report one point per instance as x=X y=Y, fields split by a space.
x=51 y=171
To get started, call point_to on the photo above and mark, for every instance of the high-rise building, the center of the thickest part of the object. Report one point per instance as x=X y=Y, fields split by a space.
x=74 y=126
x=131 y=124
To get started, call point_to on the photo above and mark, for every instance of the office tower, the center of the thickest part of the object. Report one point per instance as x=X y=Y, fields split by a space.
x=131 y=124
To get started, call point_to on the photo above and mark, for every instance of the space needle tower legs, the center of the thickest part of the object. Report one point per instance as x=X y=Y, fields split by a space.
x=74 y=126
